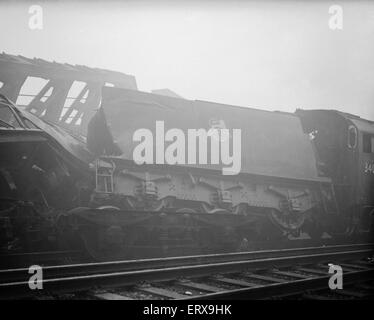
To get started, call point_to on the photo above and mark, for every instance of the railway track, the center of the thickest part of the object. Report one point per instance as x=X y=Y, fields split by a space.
x=19 y=260
x=260 y=274
x=64 y=257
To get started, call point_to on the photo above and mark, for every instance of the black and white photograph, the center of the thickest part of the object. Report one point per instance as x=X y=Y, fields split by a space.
x=184 y=155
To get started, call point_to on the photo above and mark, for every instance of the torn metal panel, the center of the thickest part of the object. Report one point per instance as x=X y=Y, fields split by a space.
x=54 y=101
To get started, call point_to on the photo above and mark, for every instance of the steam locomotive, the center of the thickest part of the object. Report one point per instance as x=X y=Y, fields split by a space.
x=69 y=176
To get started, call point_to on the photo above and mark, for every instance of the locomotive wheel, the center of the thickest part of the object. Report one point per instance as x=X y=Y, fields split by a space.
x=366 y=220
x=63 y=230
x=108 y=208
x=219 y=211
x=291 y=222
x=67 y=236
x=95 y=241
x=313 y=229
x=241 y=209
x=94 y=237
x=186 y=210
x=213 y=210
x=90 y=243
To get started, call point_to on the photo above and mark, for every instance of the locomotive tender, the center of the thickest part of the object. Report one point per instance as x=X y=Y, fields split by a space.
x=277 y=192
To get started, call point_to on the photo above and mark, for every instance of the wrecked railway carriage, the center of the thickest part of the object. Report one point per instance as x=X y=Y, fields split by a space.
x=66 y=182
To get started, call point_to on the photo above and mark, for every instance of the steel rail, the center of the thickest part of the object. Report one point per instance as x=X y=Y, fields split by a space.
x=289 y=288
x=21 y=274
x=37 y=257
x=128 y=278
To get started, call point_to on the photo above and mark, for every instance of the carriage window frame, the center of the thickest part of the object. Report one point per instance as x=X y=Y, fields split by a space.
x=352 y=129
x=367 y=143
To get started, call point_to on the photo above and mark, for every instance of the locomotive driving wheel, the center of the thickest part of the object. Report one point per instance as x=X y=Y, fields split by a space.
x=102 y=241
x=290 y=222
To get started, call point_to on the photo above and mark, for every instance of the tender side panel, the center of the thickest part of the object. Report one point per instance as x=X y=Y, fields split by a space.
x=272 y=143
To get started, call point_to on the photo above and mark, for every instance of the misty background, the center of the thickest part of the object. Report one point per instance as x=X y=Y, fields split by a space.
x=268 y=55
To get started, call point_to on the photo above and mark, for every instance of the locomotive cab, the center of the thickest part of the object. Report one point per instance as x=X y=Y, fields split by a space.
x=365 y=181
x=345 y=147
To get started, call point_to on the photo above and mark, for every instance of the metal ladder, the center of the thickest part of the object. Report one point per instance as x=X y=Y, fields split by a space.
x=104 y=176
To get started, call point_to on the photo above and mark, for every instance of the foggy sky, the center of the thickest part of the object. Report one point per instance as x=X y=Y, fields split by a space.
x=268 y=55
